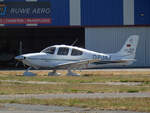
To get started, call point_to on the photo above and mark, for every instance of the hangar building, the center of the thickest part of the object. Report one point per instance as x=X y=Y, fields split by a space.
x=100 y=25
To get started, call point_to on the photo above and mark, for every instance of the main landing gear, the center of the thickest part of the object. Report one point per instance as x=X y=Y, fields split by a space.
x=53 y=73
x=70 y=73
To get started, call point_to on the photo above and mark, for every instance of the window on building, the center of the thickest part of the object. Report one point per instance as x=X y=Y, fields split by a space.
x=63 y=51
x=76 y=52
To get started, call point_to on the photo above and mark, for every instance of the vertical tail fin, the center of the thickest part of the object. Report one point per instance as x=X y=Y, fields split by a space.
x=129 y=48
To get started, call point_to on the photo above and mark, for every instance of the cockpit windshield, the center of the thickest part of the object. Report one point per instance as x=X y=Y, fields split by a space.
x=50 y=50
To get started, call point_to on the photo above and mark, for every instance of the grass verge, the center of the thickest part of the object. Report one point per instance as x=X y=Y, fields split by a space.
x=7 y=88
x=130 y=104
x=86 y=77
x=73 y=83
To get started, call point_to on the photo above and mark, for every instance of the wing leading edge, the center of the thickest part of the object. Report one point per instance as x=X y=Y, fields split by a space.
x=81 y=63
x=76 y=64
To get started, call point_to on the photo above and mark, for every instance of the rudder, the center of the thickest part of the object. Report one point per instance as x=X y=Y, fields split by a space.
x=129 y=48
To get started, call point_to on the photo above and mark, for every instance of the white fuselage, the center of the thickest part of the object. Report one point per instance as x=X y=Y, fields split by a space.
x=71 y=57
x=46 y=60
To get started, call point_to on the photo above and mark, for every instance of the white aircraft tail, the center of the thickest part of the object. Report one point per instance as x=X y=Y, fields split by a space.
x=128 y=51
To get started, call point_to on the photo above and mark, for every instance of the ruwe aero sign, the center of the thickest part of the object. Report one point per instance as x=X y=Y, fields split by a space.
x=25 y=12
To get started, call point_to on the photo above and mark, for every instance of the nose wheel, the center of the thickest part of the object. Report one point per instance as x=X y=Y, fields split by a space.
x=27 y=73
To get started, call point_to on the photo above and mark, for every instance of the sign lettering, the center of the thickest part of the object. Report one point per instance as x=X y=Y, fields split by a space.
x=25 y=12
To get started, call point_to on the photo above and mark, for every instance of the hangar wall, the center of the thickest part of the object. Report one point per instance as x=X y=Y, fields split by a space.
x=34 y=12
x=115 y=12
x=99 y=18
x=142 y=12
x=110 y=40
x=107 y=26
x=101 y=12
x=57 y=13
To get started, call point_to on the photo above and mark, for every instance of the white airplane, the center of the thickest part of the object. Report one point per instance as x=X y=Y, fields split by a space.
x=71 y=57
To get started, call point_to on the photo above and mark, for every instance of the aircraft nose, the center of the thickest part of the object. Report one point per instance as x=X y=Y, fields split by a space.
x=20 y=57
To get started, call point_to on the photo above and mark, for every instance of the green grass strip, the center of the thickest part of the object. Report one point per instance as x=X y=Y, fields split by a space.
x=129 y=104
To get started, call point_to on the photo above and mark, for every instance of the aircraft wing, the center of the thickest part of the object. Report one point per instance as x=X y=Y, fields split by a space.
x=76 y=64
x=81 y=63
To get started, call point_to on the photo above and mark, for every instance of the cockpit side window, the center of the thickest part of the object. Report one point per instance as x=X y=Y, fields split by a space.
x=50 y=50
x=76 y=52
x=63 y=51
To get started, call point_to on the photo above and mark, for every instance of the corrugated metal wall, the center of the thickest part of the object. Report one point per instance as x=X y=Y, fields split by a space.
x=60 y=12
x=142 y=12
x=128 y=12
x=80 y=12
x=101 y=12
x=110 y=40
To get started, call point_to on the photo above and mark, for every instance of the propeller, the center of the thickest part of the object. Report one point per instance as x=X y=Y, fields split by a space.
x=19 y=58
x=17 y=64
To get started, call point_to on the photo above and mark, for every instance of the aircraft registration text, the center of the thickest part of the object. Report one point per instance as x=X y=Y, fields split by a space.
x=101 y=57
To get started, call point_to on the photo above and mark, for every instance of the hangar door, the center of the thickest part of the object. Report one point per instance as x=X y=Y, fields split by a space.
x=15 y=41
x=110 y=40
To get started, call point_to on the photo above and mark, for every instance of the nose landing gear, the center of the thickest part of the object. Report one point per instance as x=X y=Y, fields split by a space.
x=27 y=73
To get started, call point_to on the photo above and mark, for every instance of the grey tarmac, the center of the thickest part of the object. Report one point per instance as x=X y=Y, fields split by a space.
x=23 y=108
x=76 y=95
x=56 y=83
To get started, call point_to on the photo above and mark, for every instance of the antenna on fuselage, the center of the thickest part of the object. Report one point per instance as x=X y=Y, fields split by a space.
x=74 y=42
